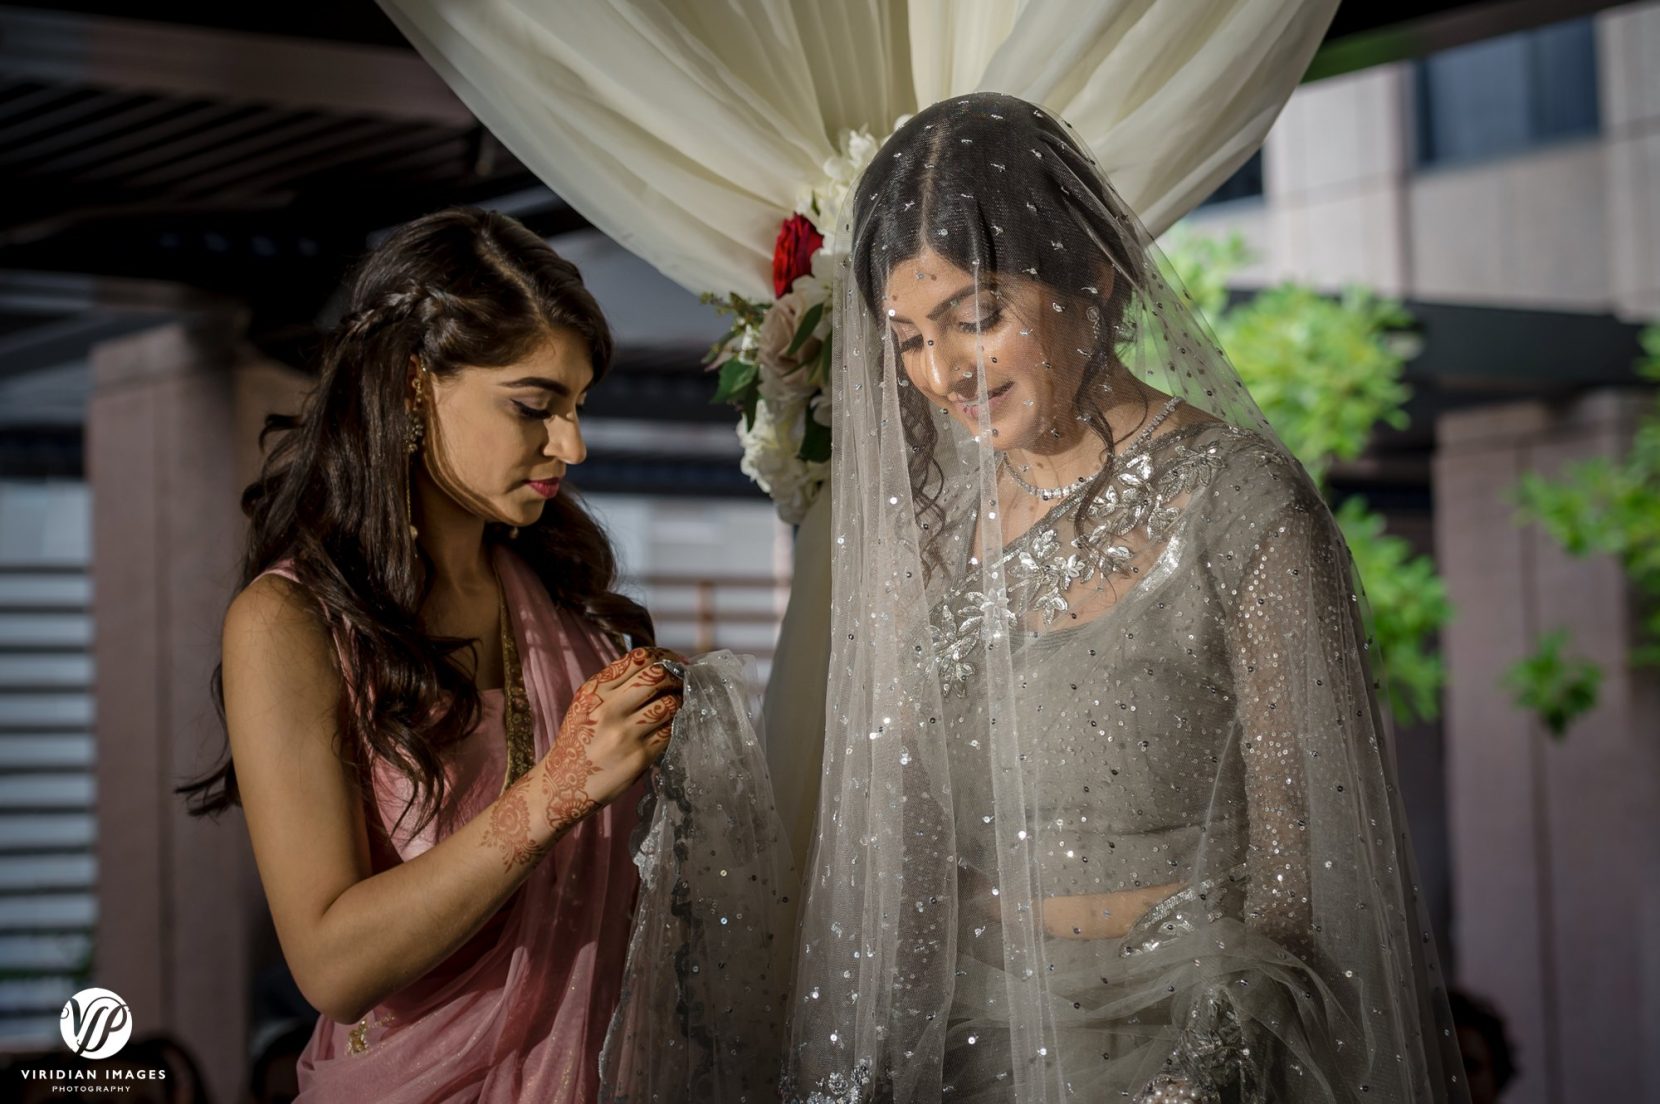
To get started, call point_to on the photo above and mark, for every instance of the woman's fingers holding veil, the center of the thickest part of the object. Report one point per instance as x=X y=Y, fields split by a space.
x=645 y=677
x=648 y=690
x=615 y=729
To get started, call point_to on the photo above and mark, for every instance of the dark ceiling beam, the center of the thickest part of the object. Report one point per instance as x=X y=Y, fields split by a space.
x=108 y=51
x=1366 y=34
x=355 y=21
x=186 y=116
x=1496 y=351
x=278 y=166
x=167 y=167
x=59 y=293
x=125 y=113
x=63 y=340
x=74 y=106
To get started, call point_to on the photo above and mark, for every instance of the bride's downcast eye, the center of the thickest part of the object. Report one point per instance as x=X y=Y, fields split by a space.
x=531 y=413
x=987 y=321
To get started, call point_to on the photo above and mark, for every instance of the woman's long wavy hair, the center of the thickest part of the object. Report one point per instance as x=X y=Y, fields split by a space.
x=981 y=146
x=454 y=289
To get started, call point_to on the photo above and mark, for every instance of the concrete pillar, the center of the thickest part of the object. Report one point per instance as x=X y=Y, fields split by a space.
x=171 y=440
x=1335 y=167
x=1555 y=845
x=1628 y=42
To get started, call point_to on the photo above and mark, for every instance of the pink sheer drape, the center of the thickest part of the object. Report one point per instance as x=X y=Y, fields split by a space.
x=520 y=1011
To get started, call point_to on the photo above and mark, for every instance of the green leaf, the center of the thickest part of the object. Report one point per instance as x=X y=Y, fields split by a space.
x=737 y=379
x=815 y=441
x=1611 y=506
x=1408 y=605
x=805 y=330
x=820 y=375
x=1559 y=689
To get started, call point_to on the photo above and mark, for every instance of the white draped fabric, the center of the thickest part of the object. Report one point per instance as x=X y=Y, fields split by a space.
x=684 y=131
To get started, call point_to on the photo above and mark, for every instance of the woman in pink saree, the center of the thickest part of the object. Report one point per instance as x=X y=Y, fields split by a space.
x=434 y=732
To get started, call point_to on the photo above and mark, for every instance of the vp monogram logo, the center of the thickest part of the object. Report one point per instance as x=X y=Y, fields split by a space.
x=95 y=1023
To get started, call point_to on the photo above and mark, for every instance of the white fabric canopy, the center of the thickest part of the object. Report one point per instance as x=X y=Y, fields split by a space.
x=684 y=129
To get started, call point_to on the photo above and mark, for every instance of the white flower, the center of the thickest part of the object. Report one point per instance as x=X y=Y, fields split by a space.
x=770 y=447
x=822 y=202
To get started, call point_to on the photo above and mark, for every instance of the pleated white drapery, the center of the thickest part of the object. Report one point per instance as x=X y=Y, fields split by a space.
x=684 y=130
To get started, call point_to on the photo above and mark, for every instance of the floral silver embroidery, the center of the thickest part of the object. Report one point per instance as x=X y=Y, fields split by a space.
x=856 y=1086
x=1041 y=567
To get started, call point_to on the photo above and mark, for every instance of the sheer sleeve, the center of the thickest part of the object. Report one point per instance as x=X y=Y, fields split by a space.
x=1290 y=628
x=1289 y=618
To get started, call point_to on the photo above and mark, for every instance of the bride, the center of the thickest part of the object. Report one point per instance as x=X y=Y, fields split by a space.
x=1109 y=807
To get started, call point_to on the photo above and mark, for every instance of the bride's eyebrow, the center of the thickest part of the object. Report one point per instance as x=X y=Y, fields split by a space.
x=950 y=301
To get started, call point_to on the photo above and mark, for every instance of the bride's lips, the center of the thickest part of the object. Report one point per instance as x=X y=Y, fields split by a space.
x=994 y=400
x=547 y=488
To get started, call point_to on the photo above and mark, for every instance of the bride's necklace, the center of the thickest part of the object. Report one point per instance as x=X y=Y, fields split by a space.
x=1053 y=494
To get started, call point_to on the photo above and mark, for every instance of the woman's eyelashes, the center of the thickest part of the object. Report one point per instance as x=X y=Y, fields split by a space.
x=981 y=325
x=535 y=414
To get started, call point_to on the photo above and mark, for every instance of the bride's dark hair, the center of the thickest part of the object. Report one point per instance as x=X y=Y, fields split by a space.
x=457 y=288
x=993 y=183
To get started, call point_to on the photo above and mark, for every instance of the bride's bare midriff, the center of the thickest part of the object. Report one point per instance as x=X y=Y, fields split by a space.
x=1085 y=916
x=1101 y=915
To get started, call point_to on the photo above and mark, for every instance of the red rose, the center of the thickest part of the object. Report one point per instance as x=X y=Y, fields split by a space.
x=792 y=257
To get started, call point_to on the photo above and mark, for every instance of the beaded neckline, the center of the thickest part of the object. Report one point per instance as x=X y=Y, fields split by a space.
x=1054 y=494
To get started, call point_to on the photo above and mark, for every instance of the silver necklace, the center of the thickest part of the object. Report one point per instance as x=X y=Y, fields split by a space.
x=1052 y=494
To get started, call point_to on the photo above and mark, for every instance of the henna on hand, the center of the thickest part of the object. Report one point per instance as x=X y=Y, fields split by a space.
x=509 y=831
x=659 y=711
x=654 y=674
x=567 y=767
x=570 y=764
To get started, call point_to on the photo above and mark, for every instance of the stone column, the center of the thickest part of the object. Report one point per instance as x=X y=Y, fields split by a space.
x=1628 y=42
x=1335 y=168
x=1555 y=845
x=171 y=440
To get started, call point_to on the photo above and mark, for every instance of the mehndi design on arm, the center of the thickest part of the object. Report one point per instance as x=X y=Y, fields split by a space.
x=509 y=830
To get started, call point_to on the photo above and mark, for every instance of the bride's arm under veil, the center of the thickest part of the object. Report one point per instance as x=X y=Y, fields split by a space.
x=1319 y=998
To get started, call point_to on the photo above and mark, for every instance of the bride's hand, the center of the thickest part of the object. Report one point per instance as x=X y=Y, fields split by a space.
x=617 y=726
x=1101 y=915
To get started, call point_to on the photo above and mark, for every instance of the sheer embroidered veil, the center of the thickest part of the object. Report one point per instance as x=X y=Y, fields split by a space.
x=1108 y=806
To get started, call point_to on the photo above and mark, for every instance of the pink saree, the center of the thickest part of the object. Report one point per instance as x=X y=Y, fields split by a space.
x=520 y=1011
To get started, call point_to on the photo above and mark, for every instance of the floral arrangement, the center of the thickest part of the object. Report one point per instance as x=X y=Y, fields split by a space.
x=774 y=363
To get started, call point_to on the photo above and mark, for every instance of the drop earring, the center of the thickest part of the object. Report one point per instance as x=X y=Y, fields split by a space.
x=412 y=447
